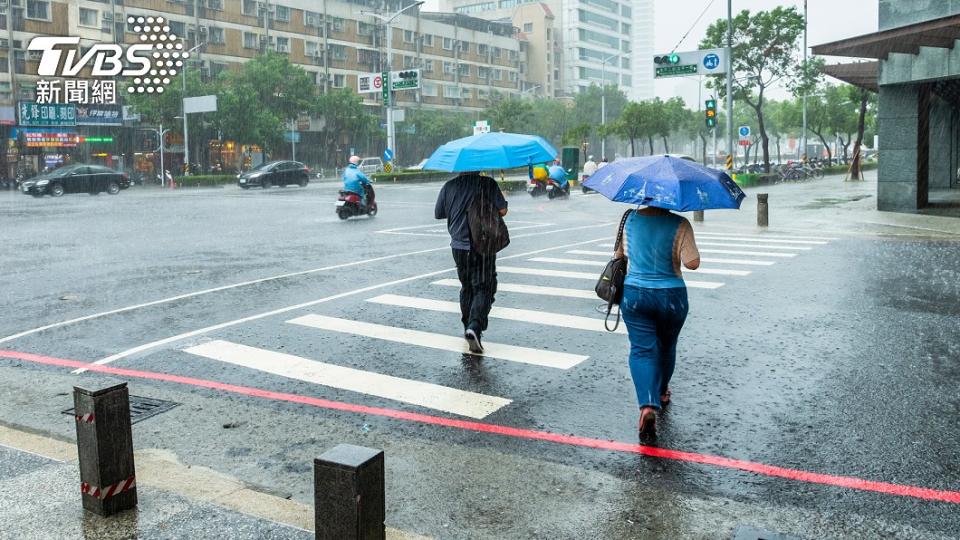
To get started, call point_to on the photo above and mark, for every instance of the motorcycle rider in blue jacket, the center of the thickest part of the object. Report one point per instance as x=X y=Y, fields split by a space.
x=354 y=180
x=559 y=175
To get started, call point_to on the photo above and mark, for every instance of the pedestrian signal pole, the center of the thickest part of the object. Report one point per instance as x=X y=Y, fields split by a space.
x=730 y=85
x=710 y=117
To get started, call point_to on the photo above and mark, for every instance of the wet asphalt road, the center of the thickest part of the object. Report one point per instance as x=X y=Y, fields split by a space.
x=841 y=359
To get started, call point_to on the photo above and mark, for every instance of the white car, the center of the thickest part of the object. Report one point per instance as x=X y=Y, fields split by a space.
x=371 y=165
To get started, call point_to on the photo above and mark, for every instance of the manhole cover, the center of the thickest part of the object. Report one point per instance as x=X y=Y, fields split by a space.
x=746 y=532
x=142 y=408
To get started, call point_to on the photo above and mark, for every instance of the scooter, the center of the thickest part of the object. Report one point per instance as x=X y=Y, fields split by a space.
x=349 y=204
x=536 y=188
x=554 y=190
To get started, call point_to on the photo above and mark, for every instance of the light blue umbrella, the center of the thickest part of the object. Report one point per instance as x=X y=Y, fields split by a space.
x=666 y=182
x=490 y=151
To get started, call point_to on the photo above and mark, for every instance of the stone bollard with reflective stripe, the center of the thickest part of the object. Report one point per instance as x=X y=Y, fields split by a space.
x=349 y=494
x=762 y=210
x=105 y=448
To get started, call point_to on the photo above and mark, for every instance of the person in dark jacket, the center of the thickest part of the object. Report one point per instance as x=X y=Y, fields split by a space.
x=477 y=272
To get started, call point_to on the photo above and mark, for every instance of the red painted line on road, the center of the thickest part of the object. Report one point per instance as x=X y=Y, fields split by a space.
x=799 y=475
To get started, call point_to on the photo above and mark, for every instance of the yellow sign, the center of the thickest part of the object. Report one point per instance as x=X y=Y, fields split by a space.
x=387 y=167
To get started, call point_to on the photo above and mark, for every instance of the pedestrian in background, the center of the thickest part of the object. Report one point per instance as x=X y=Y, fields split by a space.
x=654 y=305
x=474 y=206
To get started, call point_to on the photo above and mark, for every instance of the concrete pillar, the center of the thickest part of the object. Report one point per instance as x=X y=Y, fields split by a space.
x=899 y=130
x=762 y=210
x=105 y=448
x=349 y=494
x=941 y=144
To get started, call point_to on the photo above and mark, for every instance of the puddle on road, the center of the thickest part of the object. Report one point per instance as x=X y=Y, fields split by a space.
x=826 y=202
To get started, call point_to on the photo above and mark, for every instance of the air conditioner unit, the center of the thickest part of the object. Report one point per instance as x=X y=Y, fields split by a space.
x=203 y=30
x=4 y=43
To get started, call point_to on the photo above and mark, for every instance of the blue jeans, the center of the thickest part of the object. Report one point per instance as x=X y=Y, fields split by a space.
x=654 y=318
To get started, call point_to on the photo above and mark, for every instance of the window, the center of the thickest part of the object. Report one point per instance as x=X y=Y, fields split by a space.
x=476 y=8
x=625 y=46
x=89 y=17
x=38 y=9
x=483 y=49
x=607 y=6
x=409 y=62
x=464 y=70
x=283 y=44
x=625 y=28
x=496 y=52
x=597 y=37
x=216 y=5
x=483 y=72
x=625 y=63
x=249 y=7
x=599 y=20
x=312 y=19
x=336 y=24
x=513 y=76
x=365 y=29
x=339 y=81
x=514 y=55
x=310 y=49
x=338 y=52
x=528 y=27
x=428 y=90
x=451 y=92
x=282 y=14
x=498 y=74
x=4 y=67
x=368 y=57
x=216 y=68
x=447 y=44
x=178 y=28
x=483 y=94
x=448 y=68
x=20 y=61
x=428 y=40
x=249 y=40
x=466 y=93
x=464 y=46
x=625 y=11
x=627 y=80
x=215 y=36
x=409 y=36
x=428 y=66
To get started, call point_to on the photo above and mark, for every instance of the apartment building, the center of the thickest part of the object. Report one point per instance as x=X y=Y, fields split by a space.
x=602 y=40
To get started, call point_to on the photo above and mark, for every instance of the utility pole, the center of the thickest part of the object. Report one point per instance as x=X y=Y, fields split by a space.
x=603 y=102
x=730 y=77
x=803 y=134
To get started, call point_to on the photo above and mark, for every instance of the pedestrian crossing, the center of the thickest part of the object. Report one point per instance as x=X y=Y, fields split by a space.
x=562 y=280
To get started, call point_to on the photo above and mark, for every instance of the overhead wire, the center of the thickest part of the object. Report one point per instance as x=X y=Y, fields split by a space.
x=687 y=33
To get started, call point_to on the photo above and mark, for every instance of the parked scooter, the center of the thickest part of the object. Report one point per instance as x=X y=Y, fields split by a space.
x=349 y=204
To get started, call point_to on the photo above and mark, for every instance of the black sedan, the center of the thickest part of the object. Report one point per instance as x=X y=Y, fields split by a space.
x=275 y=173
x=78 y=178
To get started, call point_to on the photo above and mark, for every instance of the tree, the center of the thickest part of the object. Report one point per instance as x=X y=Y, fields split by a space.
x=671 y=117
x=784 y=120
x=764 y=53
x=431 y=129
x=864 y=99
x=510 y=114
x=829 y=113
x=346 y=120
x=587 y=108
x=634 y=123
x=577 y=134
x=551 y=119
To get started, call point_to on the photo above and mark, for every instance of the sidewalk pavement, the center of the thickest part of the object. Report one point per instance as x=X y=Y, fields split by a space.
x=40 y=497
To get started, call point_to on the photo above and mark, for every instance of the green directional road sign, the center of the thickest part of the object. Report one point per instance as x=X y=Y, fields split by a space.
x=672 y=71
x=407 y=79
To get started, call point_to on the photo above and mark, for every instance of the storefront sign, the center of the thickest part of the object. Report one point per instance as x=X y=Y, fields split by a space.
x=45 y=139
x=47 y=114
x=99 y=115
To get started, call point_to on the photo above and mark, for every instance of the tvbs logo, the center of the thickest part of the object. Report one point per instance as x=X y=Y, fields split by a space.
x=151 y=62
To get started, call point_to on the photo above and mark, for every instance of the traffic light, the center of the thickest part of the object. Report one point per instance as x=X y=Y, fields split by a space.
x=668 y=59
x=711 y=113
x=411 y=74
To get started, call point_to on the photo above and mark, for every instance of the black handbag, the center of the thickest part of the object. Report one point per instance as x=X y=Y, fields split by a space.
x=610 y=285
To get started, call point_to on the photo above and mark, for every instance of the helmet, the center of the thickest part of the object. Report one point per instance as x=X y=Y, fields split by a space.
x=590 y=158
x=355 y=160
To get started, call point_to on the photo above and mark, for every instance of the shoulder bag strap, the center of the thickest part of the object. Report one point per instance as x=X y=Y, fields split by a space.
x=623 y=223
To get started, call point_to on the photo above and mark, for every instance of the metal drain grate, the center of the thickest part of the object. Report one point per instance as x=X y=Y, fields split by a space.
x=141 y=408
x=746 y=532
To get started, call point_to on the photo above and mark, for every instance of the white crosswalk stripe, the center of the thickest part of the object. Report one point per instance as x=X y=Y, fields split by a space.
x=537 y=357
x=747 y=253
x=767 y=238
x=428 y=395
x=601 y=264
x=523 y=315
x=702 y=242
x=746 y=262
x=590 y=276
x=542 y=290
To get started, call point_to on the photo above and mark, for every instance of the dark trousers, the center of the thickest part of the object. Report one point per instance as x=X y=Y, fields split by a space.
x=478 y=285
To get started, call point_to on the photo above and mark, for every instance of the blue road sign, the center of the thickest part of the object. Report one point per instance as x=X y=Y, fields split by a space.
x=744 y=131
x=387 y=154
x=711 y=61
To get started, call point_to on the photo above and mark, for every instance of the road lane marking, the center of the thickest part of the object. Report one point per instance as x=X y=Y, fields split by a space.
x=431 y=396
x=439 y=228
x=760 y=239
x=747 y=253
x=186 y=335
x=601 y=264
x=746 y=262
x=574 y=322
x=713 y=460
x=531 y=289
x=701 y=242
x=590 y=276
x=457 y=344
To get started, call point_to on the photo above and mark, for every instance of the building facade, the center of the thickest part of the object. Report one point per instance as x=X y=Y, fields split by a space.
x=601 y=40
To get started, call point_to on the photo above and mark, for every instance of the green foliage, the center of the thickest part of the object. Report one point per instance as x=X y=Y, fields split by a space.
x=156 y=109
x=511 y=114
x=205 y=180
x=551 y=119
x=432 y=129
x=412 y=176
x=346 y=122
x=577 y=134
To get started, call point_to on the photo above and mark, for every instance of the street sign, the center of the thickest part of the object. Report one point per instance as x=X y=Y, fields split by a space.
x=291 y=136
x=744 y=131
x=200 y=104
x=387 y=154
x=702 y=62
x=744 y=142
x=369 y=82
x=407 y=79
x=387 y=167
x=480 y=127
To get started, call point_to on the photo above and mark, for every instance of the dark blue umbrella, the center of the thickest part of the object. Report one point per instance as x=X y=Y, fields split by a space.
x=666 y=182
x=490 y=151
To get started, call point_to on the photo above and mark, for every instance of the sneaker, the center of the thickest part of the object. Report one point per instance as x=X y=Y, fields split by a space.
x=473 y=340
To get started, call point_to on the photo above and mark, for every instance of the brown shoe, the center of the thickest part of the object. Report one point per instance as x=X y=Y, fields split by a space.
x=665 y=398
x=648 y=421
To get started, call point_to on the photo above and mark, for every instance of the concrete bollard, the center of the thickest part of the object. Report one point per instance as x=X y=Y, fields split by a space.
x=698 y=215
x=349 y=494
x=762 y=210
x=105 y=448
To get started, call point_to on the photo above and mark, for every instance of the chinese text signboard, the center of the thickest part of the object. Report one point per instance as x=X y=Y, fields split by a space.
x=47 y=114
x=99 y=115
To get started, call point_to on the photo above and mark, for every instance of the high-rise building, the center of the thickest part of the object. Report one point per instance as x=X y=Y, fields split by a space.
x=601 y=40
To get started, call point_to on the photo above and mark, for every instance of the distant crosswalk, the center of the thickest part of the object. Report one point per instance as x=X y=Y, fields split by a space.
x=564 y=280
